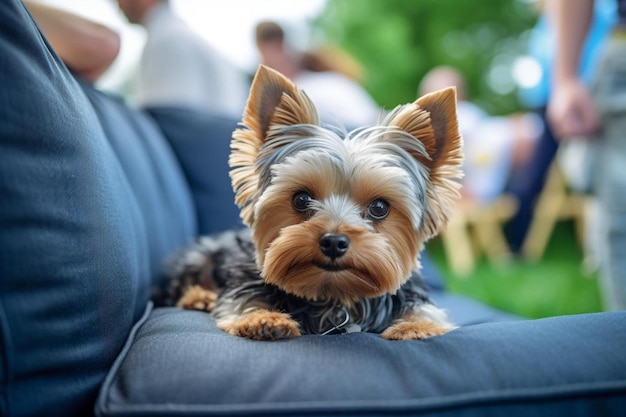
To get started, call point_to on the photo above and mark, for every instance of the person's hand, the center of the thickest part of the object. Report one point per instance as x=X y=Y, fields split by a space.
x=571 y=111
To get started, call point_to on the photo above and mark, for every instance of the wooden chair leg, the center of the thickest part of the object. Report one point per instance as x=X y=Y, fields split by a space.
x=545 y=215
x=493 y=242
x=457 y=245
x=488 y=228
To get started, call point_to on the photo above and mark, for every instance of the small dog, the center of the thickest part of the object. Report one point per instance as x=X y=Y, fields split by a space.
x=336 y=221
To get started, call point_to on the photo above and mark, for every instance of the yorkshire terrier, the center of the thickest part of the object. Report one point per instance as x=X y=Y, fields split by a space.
x=336 y=220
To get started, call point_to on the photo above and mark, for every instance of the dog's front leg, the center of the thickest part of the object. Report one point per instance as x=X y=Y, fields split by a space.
x=260 y=324
x=421 y=323
x=198 y=298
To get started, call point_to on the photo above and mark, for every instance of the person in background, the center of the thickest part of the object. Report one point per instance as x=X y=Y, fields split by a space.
x=87 y=48
x=530 y=179
x=599 y=113
x=492 y=145
x=339 y=98
x=180 y=68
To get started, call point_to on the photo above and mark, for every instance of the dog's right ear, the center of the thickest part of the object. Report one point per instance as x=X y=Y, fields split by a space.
x=274 y=102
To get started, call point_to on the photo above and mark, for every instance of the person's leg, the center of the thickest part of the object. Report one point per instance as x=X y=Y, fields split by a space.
x=611 y=194
x=610 y=182
x=527 y=182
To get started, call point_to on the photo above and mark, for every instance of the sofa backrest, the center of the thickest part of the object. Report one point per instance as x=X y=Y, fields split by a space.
x=91 y=201
x=155 y=177
x=201 y=142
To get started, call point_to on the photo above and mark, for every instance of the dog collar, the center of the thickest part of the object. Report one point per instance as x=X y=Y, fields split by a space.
x=343 y=327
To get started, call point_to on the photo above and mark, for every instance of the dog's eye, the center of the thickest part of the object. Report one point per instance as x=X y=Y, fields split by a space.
x=302 y=201
x=378 y=209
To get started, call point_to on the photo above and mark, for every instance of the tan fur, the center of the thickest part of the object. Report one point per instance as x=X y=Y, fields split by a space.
x=401 y=236
x=372 y=267
x=414 y=330
x=261 y=325
x=198 y=298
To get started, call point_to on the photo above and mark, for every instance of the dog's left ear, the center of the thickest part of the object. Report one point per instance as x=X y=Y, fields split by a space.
x=432 y=120
x=274 y=102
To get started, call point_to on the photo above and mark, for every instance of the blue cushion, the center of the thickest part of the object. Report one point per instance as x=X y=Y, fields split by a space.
x=154 y=175
x=179 y=364
x=77 y=245
x=464 y=311
x=201 y=141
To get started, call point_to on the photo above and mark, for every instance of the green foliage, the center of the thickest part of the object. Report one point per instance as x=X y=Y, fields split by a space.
x=398 y=41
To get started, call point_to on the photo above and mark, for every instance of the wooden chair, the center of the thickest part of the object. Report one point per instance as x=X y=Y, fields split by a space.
x=476 y=229
x=555 y=203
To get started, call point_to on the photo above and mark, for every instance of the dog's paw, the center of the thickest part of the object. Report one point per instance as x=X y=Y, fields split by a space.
x=198 y=298
x=262 y=325
x=414 y=330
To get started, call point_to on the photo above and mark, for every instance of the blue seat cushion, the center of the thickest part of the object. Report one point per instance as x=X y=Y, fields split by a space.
x=178 y=363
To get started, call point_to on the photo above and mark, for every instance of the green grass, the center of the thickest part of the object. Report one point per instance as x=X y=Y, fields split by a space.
x=556 y=285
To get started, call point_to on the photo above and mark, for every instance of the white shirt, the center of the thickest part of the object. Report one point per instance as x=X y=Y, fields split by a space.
x=339 y=100
x=178 y=67
x=488 y=147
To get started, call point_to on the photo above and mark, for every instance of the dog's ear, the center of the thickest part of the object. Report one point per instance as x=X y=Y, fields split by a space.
x=274 y=102
x=432 y=120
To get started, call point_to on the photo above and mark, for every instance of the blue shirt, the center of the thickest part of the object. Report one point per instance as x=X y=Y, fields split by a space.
x=542 y=48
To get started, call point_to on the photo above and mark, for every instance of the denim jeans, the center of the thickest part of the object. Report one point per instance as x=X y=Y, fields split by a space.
x=609 y=176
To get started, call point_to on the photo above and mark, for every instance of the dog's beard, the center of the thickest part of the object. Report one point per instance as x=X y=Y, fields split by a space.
x=372 y=266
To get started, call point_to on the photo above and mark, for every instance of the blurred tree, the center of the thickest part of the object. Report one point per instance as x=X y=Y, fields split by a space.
x=398 y=41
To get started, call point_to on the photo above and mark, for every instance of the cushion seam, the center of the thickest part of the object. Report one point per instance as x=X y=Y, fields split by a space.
x=5 y=336
x=511 y=396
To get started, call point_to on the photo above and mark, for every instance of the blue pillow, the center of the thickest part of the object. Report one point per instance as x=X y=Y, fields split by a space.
x=178 y=363
x=76 y=240
x=201 y=142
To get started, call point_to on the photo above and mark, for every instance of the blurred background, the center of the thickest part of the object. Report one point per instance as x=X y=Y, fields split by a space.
x=389 y=47
x=395 y=41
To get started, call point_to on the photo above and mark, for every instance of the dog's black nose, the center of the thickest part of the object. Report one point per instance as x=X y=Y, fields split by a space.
x=334 y=245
